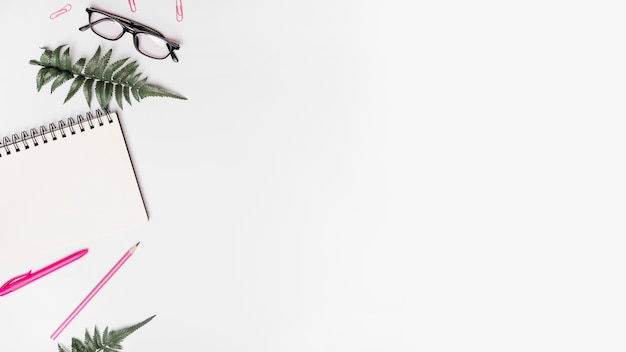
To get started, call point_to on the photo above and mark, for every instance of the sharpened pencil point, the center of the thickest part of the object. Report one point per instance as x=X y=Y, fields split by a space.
x=133 y=248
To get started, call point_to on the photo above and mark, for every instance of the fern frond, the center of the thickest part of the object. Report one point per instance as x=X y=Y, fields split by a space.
x=118 y=80
x=55 y=58
x=125 y=71
x=108 y=93
x=89 y=342
x=45 y=57
x=87 y=90
x=65 y=61
x=108 y=73
x=150 y=90
x=45 y=75
x=60 y=79
x=78 y=345
x=92 y=63
x=109 y=340
x=117 y=336
x=100 y=93
x=96 y=336
x=77 y=68
x=102 y=64
x=127 y=95
x=78 y=82
x=118 y=95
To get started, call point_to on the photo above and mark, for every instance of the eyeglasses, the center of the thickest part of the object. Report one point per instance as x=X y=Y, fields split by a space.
x=147 y=40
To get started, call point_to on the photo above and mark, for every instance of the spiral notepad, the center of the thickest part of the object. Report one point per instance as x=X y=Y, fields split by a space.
x=64 y=183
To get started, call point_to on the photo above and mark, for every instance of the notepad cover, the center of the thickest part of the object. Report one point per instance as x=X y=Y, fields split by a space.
x=66 y=191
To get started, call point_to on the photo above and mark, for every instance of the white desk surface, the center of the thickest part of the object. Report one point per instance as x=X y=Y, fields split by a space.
x=351 y=176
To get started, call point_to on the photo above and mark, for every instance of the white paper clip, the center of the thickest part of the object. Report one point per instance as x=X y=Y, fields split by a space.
x=59 y=12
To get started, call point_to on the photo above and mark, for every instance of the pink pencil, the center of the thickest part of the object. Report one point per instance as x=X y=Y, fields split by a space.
x=93 y=292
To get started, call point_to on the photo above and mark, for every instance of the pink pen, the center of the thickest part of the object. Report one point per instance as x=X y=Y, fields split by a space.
x=25 y=279
x=179 y=10
x=93 y=292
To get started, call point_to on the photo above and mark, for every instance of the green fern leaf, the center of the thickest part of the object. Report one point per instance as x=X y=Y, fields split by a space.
x=135 y=92
x=141 y=83
x=134 y=79
x=61 y=78
x=92 y=64
x=108 y=73
x=87 y=90
x=136 y=88
x=46 y=75
x=46 y=57
x=118 y=336
x=102 y=64
x=100 y=76
x=89 y=342
x=64 y=61
x=150 y=90
x=125 y=71
x=119 y=95
x=127 y=96
x=108 y=93
x=55 y=57
x=96 y=337
x=100 y=93
x=78 y=82
x=127 y=78
x=105 y=338
x=77 y=68
x=78 y=345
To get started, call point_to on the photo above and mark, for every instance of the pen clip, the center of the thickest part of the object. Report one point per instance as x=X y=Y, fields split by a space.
x=15 y=279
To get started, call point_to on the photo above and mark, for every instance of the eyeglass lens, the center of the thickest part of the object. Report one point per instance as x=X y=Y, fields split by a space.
x=105 y=26
x=152 y=46
x=111 y=29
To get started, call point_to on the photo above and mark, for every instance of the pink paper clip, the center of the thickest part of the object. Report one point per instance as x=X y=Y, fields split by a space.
x=59 y=12
x=179 y=10
x=132 y=5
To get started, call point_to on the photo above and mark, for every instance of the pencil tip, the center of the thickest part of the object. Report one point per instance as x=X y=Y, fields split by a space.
x=137 y=243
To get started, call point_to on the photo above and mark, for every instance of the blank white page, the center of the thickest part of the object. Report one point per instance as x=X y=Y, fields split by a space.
x=67 y=190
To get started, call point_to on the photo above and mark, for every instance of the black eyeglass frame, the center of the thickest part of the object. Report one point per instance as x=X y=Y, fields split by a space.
x=133 y=28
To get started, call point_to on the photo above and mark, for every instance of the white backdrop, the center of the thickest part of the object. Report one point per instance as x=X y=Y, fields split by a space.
x=350 y=176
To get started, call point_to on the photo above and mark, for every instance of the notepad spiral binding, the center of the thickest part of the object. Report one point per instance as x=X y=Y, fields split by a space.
x=71 y=125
